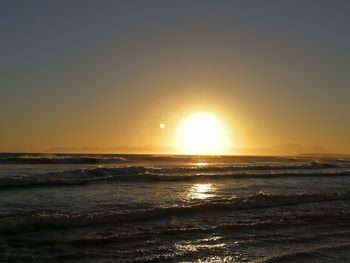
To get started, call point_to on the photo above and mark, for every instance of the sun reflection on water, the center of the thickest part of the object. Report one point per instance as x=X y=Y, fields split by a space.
x=213 y=244
x=201 y=164
x=201 y=191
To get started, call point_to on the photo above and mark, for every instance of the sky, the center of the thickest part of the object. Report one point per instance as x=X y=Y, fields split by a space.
x=104 y=74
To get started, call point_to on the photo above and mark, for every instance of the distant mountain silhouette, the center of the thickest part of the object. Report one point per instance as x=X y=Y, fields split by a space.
x=286 y=149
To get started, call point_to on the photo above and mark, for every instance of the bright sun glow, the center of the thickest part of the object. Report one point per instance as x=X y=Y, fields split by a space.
x=202 y=133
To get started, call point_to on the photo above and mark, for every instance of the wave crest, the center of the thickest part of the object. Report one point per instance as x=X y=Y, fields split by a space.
x=62 y=160
x=52 y=219
x=140 y=173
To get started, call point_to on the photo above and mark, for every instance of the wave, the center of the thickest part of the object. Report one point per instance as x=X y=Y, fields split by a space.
x=194 y=177
x=140 y=173
x=90 y=158
x=62 y=160
x=240 y=162
x=252 y=167
x=326 y=252
x=236 y=227
x=55 y=219
x=74 y=177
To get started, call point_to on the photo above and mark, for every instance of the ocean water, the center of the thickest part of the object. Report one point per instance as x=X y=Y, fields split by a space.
x=147 y=208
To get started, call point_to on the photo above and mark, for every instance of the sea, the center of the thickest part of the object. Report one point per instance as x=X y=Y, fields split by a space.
x=162 y=208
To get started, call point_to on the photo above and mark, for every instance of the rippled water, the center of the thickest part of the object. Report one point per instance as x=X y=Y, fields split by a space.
x=127 y=208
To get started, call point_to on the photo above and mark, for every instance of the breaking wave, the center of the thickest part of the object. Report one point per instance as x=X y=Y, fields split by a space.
x=74 y=177
x=62 y=160
x=140 y=173
x=307 y=166
x=319 y=219
x=321 y=254
x=55 y=219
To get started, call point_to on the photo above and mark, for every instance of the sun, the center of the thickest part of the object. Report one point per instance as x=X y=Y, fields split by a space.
x=202 y=133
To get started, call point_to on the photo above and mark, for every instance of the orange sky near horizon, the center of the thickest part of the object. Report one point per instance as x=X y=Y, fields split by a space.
x=105 y=76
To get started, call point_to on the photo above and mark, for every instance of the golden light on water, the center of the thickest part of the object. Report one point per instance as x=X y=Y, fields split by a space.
x=202 y=133
x=201 y=164
x=201 y=191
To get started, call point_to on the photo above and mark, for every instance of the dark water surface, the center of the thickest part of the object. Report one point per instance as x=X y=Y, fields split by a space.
x=127 y=208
